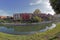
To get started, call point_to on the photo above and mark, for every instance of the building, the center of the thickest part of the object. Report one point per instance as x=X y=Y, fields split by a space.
x=3 y=17
x=16 y=16
x=57 y=17
x=27 y=16
x=6 y=17
x=45 y=16
x=23 y=16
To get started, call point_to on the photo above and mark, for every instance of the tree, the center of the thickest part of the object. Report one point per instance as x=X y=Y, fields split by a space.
x=36 y=19
x=37 y=11
x=55 y=5
x=39 y=19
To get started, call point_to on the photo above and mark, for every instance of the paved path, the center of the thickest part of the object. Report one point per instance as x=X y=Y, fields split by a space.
x=23 y=24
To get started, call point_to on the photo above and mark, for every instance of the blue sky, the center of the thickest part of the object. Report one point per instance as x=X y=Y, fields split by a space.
x=9 y=7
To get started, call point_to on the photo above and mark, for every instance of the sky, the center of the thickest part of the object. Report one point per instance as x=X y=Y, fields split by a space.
x=10 y=7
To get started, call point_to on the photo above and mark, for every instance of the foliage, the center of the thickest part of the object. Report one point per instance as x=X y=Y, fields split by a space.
x=37 y=11
x=36 y=19
x=7 y=20
x=55 y=5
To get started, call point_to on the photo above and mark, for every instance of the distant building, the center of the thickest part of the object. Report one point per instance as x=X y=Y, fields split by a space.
x=9 y=17
x=16 y=16
x=3 y=17
x=57 y=17
x=24 y=16
x=45 y=16
x=27 y=16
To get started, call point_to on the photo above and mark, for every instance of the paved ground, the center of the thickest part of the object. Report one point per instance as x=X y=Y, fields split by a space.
x=22 y=24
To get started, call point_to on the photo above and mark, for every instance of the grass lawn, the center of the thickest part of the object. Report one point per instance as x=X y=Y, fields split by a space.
x=48 y=35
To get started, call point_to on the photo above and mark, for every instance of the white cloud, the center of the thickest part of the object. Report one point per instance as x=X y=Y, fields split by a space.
x=49 y=8
x=36 y=3
x=3 y=13
x=45 y=4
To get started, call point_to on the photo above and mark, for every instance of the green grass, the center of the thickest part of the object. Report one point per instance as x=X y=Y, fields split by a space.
x=37 y=36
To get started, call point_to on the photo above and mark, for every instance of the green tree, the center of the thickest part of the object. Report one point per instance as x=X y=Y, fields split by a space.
x=39 y=19
x=37 y=11
x=36 y=19
x=55 y=5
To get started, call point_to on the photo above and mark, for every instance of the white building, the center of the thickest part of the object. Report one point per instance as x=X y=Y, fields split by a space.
x=16 y=16
x=57 y=16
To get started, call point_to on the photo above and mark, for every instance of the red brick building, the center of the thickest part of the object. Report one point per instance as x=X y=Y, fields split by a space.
x=25 y=16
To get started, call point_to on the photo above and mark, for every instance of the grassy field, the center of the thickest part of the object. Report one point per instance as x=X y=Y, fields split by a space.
x=48 y=35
